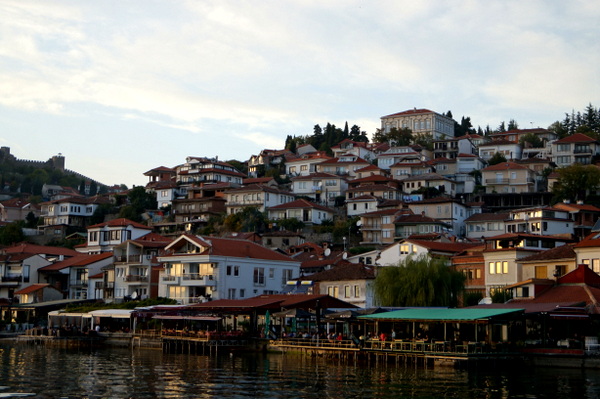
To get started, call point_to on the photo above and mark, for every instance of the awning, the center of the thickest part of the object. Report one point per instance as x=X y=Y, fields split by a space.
x=196 y=318
x=114 y=313
x=440 y=314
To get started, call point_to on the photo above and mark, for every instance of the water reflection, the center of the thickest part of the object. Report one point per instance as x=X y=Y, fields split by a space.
x=125 y=373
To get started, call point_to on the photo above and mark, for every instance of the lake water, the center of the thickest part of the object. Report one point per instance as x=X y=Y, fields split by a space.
x=46 y=372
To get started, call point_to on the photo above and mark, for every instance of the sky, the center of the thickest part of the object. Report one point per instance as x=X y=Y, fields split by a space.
x=121 y=87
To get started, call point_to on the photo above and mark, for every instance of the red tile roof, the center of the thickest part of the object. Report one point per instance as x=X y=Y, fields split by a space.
x=121 y=222
x=302 y=204
x=233 y=248
x=31 y=288
x=455 y=247
x=505 y=166
x=26 y=248
x=344 y=271
x=575 y=138
x=79 y=260
x=414 y=111
x=487 y=216
x=561 y=252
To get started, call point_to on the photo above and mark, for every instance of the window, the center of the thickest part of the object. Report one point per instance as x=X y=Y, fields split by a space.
x=228 y=270
x=505 y=267
x=404 y=248
x=347 y=291
x=271 y=273
x=242 y=293
x=357 y=291
x=492 y=269
x=236 y=271
x=333 y=290
x=259 y=276
x=596 y=265
x=231 y=293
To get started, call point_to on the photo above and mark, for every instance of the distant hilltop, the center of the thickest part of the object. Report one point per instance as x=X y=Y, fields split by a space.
x=56 y=162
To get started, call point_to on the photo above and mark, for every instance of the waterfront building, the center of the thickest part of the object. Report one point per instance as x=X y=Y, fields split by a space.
x=350 y=282
x=71 y=276
x=135 y=269
x=321 y=188
x=503 y=252
x=542 y=220
x=201 y=268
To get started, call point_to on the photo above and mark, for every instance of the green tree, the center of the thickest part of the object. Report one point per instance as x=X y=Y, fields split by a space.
x=512 y=125
x=398 y=137
x=531 y=140
x=421 y=281
x=496 y=159
x=139 y=202
x=291 y=224
x=576 y=182
x=247 y=220
x=12 y=233
x=240 y=166
x=558 y=128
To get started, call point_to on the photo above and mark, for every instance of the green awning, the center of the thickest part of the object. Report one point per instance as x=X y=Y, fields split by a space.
x=440 y=314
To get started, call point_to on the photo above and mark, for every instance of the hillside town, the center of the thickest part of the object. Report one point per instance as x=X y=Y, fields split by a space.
x=304 y=221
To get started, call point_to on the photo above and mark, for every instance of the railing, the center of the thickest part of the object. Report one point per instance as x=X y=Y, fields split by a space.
x=78 y=283
x=136 y=278
x=101 y=285
x=445 y=348
x=14 y=278
x=129 y=259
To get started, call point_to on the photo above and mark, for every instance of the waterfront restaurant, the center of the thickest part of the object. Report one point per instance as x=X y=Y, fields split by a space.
x=451 y=327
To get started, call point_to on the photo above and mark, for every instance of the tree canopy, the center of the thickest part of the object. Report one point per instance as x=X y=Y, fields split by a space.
x=420 y=281
x=497 y=158
x=576 y=182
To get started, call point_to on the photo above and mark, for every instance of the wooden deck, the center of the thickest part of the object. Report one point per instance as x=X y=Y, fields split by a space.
x=437 y=351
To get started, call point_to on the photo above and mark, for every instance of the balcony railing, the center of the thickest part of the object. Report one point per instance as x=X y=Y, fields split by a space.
x=14 y=278
x=101 y=285
x=78 y=283
x=134 y=278
x=190 y=279
x=129 y=259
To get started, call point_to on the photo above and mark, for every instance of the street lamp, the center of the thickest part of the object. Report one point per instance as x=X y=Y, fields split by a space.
x=344 y=238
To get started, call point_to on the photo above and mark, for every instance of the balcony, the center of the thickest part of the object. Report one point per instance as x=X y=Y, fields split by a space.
x=134 y=278
x=13 y=279
x=128 y=259
x=190 y=280
x=78 y=283
x=198 y=279
x=101 y=285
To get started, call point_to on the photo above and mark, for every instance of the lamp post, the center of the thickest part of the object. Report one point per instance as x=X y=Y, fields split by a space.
x=344 y=238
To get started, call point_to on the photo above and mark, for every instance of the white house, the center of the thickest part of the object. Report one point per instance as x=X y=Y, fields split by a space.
x=401 y=250
x=103 y=237
x=256 y=195
x=305 y=164
x=202 y=268
x=320 y=187
x=303 y=210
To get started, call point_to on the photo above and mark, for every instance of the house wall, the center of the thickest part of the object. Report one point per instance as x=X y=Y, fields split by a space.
x=545 y=269
x=511 y=272
x=356 y=292
x=398 y=252
x=224 y=285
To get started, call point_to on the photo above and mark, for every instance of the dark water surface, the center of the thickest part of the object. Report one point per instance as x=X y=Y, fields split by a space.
x=125 y=373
